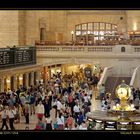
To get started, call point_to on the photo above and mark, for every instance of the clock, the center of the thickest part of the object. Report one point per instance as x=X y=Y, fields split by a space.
x=123 y=91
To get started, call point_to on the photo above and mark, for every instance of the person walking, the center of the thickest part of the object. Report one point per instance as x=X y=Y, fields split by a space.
x=40 y=110
x=11 y=115
x=4 y=114
x=48 y=123
x=32 y=104
x=26 y=111
x=76 y=110
x=60 y=122
x=47 y=108
x=70 y=121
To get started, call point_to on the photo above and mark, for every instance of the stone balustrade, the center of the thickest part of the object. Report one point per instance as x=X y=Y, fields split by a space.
x=101 y=49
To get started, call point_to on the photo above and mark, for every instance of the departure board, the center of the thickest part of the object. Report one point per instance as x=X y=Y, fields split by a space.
x=17 y=56
x=6 y=57
x=24 y=55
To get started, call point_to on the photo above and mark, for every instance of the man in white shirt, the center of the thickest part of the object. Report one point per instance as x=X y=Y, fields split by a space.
x=60 y=122
x=59 y=106
x=86 y=100
x=11 y=115
x=4 y=114
x=76 y=110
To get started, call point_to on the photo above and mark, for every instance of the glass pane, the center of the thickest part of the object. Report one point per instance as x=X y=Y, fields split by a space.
x=113 y=27
x=102 y=26
x=101 y=32
x=91 y=32
x=101 y=38
x=78 y=32
x=108 y=26
x=95 y=38
x=84 y=32
x=78 y=27
x=84 y=26
x=95 y=32
x=96 y=26
x=90 y=26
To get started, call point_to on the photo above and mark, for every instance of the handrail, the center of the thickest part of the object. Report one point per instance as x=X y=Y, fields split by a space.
x=134 y=76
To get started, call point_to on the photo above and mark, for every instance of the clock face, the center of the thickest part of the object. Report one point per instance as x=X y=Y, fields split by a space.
x=122 y=93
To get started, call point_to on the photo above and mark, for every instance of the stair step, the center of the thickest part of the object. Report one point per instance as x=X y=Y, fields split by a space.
x=112 y=83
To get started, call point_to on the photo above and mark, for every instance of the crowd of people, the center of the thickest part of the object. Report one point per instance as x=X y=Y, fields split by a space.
x=69 y=98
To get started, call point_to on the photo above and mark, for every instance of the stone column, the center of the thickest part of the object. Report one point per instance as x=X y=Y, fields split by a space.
x=1 y=84
x=37 y=78
x=32 y=78
x=26 y=80
x=62 y=69
x=14 y=82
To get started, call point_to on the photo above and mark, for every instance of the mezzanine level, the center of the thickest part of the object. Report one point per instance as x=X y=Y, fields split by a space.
x=116 y=51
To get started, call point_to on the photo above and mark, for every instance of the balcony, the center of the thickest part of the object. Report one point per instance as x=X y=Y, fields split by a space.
x=74 y=50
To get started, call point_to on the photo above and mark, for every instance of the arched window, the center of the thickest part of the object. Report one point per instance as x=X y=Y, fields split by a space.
x=93 y=31
x=42 y=26
x=122 y=49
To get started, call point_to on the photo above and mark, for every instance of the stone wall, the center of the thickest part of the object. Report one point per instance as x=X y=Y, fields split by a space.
x=8 y=28
x=60 y=23
x=133 y=20
x=22 y=27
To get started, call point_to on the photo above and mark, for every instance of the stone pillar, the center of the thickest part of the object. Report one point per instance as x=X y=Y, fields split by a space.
x=1 y=84
x=26 y=80
x=14 y=82
x=31 y=78
x=62 y=69
x=37 y=77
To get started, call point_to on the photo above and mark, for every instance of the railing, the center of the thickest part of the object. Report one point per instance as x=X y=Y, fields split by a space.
x=107 y=72
x=135 y=80
x=72 y=49
x=100 y=49
x=40 y=48
x=75 y=48
x=136 y=49
x=91 y=49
